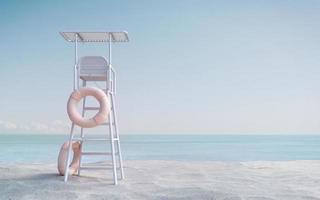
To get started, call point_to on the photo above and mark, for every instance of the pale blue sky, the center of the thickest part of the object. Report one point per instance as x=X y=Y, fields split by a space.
x=191 y=67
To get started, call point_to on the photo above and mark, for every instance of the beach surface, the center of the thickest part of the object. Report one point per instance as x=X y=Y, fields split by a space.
x=258 y=180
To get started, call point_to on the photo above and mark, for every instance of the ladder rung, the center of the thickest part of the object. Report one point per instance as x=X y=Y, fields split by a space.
x=93 y=139
x=96 y=167
x=91 y=108
x=105 y=90
x=106 y=124
x=95 y=153
x=77 y=139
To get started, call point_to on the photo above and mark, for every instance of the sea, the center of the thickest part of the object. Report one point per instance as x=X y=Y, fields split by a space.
x=44 y=148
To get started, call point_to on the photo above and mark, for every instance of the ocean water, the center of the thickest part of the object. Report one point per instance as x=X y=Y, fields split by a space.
x=45 y=148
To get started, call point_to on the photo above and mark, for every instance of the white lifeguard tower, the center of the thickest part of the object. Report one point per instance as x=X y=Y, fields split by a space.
x=97 y=69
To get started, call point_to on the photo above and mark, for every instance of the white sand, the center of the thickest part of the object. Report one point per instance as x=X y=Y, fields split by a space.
x=168 y=180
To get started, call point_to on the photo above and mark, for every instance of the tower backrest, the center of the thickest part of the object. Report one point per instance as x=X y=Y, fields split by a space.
x=93 y=65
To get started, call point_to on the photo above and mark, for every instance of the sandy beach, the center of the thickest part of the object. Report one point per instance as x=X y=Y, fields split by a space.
x=260 y=180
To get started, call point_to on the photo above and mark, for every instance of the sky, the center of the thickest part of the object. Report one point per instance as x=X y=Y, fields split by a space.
x=191 y=67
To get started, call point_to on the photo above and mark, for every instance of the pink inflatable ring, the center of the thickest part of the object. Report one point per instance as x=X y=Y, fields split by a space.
x=99 y=118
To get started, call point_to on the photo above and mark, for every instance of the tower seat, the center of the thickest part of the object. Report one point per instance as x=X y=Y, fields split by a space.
x=93 y=68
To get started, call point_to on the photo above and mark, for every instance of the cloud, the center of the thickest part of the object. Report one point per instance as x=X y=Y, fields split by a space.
x=8 y=125
x=56 y=126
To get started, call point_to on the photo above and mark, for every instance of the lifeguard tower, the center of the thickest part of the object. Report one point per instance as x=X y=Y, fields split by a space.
x=97 y=69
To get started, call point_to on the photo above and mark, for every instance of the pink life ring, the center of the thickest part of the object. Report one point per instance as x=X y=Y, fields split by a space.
x=99 y=118
x=62 y=158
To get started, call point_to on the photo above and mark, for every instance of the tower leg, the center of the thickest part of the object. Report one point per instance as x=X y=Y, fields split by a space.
x=66 y=171
x=114 y=166
x=117 y=135
x=84 y=83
